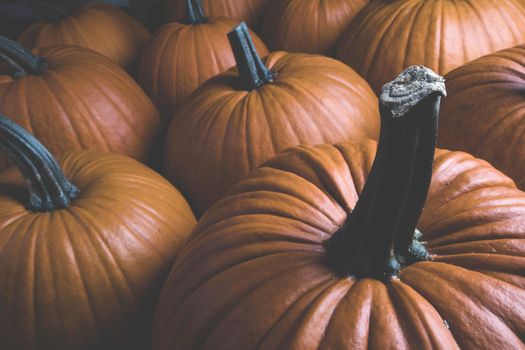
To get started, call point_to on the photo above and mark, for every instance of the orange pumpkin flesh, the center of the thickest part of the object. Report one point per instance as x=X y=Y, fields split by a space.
x=257 y=272
x=388 y=36
x=312 y=26
x=241 y=118
x=82 y=259
x=73 y=98
x=182 y=56
x=100 y=27
x=485 y=112
x=250 y=11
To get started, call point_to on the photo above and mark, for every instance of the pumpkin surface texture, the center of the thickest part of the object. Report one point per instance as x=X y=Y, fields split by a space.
x=312 y=26
x=241 y=118
x=323 y=247
x=100 y=27
x=83 y=257
x=250 y=11
x=485 y=112
x=388 y=36
x=71 y=98
x=182 y=56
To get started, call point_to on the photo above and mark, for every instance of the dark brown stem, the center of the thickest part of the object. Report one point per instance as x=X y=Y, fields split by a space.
x=380 y=236
x=48 y=187
x=253 y=73
x=195 y=12
x=21 y=60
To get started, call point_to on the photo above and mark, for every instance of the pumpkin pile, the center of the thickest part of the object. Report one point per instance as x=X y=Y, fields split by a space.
x=259 y=174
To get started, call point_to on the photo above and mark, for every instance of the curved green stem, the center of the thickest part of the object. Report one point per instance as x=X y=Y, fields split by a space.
x=195 y=12
x=21 y=60
x=253 y=73
x=49 y=11
x=48 y=187
x=380 y=236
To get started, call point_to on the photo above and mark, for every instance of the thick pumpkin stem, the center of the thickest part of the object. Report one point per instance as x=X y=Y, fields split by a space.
x=49 y=11
x=22 y=61
x=380 y=236
x=48 y=187
x=253 y=73
x=195 y=12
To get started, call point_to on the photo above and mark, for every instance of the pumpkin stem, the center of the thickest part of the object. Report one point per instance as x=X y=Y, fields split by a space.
x=380 y=237
x=195 y=12
x=253 y=73
x=21 y=60
x=49 y=11
x=48 y=187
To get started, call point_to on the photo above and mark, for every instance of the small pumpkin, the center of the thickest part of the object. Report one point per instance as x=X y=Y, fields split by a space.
x=100 y=27
x=70 y=98
x=312 y=26
x=184 y=55
x=388 y=36
x=484 y=114
x=241 y=118
x=83 y=257
x=323 y=247
x=249 y=11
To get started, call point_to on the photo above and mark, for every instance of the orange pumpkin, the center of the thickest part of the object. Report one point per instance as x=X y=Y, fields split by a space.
x=250 y=11
x=388 y=36
x=484 y=114
x=302 y=254
x=241 y=118
x=100 y=27
x=312 y=26
x=184 y=55
x=70 y=98
x=83 y=257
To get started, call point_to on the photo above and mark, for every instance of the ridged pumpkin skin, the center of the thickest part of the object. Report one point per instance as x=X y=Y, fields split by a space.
x=88 y=277
x=389 y=36
x=100 y=27
x=250 y=11
x=485 y=111
x=255 y=274
x=181 y=57
x=312 y=26
x=82 y=101
x=223 y=132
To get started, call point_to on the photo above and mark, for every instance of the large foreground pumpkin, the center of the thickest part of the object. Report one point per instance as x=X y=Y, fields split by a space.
x=250 y=11
x=289 y=260
x=83 y=257
x=71 y=98
x=485 y=113
x=312 y=26
x=100 y=27
x=388 y=36
x=241 y=118
x=184 y=55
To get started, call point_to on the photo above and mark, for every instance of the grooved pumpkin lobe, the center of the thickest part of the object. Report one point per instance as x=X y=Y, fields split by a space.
x=295 y=109
x=95 y=268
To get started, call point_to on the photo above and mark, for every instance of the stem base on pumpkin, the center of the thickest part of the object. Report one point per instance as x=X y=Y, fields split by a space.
x=48 y=187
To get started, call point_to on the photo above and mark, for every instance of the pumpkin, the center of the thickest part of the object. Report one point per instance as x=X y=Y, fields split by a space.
x=388 y=36
x=83 y=257
x=312 y=26
x=70 y=98
x=100 y=27
x=250 y=11
x=314 y=250
x=484 y=113
x=243 y=117
x=182 y=56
